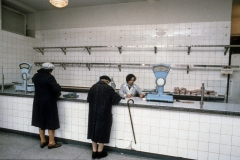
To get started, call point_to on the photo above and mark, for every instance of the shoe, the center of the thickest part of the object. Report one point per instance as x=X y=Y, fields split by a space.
x=43 y=144
x=94 y=155
x=102 y=154
x=56 y=145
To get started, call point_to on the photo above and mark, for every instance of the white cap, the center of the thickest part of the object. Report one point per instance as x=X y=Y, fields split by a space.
x=47 y=66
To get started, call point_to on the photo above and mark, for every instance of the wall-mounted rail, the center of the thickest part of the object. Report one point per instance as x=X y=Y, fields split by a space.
x=88 y=48
x=120 y=48
x=64 y=49
x=225 y=47
x=215 y=66
x=89 y=65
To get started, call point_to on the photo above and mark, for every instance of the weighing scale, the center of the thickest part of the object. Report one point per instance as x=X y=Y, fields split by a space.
x=24 y=86
x=160 y=71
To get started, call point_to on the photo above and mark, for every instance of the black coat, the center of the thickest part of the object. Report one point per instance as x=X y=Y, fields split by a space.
x=101 y=97
x=45 y=112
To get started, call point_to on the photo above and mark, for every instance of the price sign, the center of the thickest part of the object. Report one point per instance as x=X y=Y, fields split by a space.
x=226 y=71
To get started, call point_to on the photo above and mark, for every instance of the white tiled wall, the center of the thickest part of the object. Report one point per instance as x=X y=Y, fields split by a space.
x=165 y=36
x=176 y=133
x=15 y=49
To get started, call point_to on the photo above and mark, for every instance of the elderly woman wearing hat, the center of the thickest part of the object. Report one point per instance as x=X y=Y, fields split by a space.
x=45 y=112
x=129 y=89
x=101 y=97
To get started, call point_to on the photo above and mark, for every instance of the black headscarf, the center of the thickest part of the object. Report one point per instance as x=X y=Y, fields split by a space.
x=105 y=77
x=45 y=70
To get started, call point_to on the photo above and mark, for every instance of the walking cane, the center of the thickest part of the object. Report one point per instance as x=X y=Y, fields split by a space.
x=131 y=119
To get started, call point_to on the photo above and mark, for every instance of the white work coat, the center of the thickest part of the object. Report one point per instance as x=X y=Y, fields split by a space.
x=134 y=90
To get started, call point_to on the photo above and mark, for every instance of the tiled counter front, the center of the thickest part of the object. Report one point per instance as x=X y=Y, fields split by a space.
x=177 y=133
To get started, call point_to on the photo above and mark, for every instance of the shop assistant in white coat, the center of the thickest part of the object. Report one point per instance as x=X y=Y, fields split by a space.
x=129 y=89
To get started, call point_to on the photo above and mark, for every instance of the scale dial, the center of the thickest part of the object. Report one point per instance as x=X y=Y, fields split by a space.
x=160 y=81
x=24 y=65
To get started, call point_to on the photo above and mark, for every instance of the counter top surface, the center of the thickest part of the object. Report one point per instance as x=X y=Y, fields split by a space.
x=182 y=105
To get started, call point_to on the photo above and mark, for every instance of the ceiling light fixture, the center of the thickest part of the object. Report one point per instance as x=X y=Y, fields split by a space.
x=59 y=3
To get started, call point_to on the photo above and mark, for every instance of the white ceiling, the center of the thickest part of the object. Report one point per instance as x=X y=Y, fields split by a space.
x=28 y=6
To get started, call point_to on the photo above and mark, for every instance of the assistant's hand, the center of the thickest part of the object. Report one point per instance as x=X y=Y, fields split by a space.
x=128 y=95
x=142 y=95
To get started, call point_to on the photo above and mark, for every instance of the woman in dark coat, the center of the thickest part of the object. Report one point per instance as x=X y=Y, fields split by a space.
x=45 y=112
x=101 y=97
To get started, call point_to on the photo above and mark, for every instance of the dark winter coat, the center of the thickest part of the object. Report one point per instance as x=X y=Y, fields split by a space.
x=45 y=112
x=101 y=97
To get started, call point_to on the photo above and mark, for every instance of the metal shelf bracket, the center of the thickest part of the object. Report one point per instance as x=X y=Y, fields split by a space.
x=226 y=49
x=189 y=50
x=88 y=49
x=38 y=64
x=40 y=50
x=88 y=66
x=120 y=49
x=64 y=50
x=119 y=67
x=187 y=69
x=155 y=49
x=63 y=66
